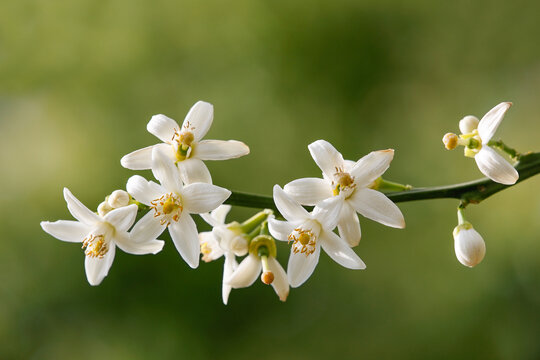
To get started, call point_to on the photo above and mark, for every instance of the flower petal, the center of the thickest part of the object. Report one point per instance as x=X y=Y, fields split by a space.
x=246 y=273
x=491 y=121
x=469 y=246
x=163 y=127
x=193 y=170
x=185 y=238
x=200 y=197
x=78 y=210
x=370 y=167
x=339 y=251
x=220 y=214
x=122 y=218
x=229 y=267
x=144 y=191
x=376 y=206
x=301 y=266
x=199 y=119
x=97 y=268
x=290 y=209
x=165 y=171
x=66 y=230
x=309 y=191
x=142 y=159
x=495 y=167
x=327 y=212
x=326 y=157
x=349 y=225
x=280 y=229
x=281 y=282
x=126 y=244
x=220 y=150
x=147 y=228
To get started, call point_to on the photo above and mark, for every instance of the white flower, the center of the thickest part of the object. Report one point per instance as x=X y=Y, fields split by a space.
x=475 y=137
x=172 y=204
x=184 y=145
x=100 y=235
x=469 y=246
x=309 y=232
x=118 y=198
x=261 y=257
x=349 y=182
x=222 y=241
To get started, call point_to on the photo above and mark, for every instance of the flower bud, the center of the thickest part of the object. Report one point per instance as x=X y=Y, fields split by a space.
x=104 y=208
x=468 y=124
x=469 y=246
x=118 y=199
x=450 y=141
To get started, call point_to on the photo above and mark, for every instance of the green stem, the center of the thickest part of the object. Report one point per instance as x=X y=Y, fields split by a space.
x=386 y=186
x=469 y=192
x=499 y=144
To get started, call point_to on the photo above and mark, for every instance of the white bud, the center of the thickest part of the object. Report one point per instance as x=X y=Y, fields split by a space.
x=468 y=124
x=469 y=246
x=239 y=246
x=118 y=199
x=104 y=208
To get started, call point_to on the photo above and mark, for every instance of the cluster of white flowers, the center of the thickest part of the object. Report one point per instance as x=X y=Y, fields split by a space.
x=184 y=187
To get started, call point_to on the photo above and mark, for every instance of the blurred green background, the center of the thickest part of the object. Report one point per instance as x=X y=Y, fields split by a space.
x=79 y=81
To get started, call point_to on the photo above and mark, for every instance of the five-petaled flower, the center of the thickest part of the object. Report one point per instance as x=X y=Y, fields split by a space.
x=348 y=182
x=184 y=146
x=100 y=235
x=171 y=204
x=308 y=232
x=475 y=136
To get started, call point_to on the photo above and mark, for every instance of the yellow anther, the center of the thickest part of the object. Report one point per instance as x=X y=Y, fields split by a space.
x=186 y=138
x=450 y=141
x=95 y=246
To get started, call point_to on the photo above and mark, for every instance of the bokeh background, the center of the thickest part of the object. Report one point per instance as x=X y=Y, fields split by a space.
x=79 y=80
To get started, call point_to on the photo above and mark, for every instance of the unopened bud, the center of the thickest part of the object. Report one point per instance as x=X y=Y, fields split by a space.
x=450 y=141
x=118 y=199
x=104 y=208
x=469 y=246
x=468 y=124
x=267 y=277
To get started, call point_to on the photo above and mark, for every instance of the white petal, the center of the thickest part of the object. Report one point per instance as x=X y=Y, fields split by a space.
x=165 y=171
x=327 y=212
x=200 y=198
x=163 y=127
x=495 y=167
x=280 y=229
x=185 y=238
x=290 y=209
x=147 y=228
x=469 y=246
x=66 y=230
x=281 y=282
x=228 y=268
x=339 y=251
x=370 y=167
x=96 y=268
x=376 y=206
x=246 y=273
x=491 y=121
x=122 y=218
x=199 y=119
x=301 y=266
x=208 y=240
x=78 y=210
x=193 y=170
x=349 y=225
x=309 y=191
x=144 y=191
x=220 y=213
x=326 y=157
x=142 y=159
x=124 y=242
x=220 y=150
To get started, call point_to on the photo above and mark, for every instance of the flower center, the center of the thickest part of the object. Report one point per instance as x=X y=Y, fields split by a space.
x=95 y=246
x=343 y=181
x=168 y=207
x=181 y=142
x=304 y=241
x=472 y=143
